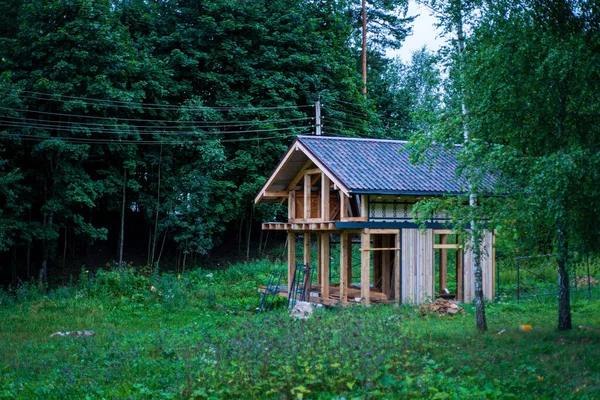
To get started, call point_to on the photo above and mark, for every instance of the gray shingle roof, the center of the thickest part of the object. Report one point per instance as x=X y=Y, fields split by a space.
x=384 y=166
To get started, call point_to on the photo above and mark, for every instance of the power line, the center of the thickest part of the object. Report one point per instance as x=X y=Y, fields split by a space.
x=106 y=118
x=34 y=138
x=208 y=124
x=155 y=132
x=151 y=106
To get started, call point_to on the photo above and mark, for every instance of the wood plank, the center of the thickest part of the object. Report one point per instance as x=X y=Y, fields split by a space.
x=383 y=231
x=349 y=258
x=306 y=258
x=385 y=266
x=325 y=257
x=291 y=205
x=307 y=196
x=291 y=258
x=493 y=293
x=319 y=258
x=343 y=206
x=282 y=193
x=380 y=249
x=397 y=266
x=376 y=262
x=459 y=276
x=446 y=246
x=364 y=206
x=312 y=171
x=365 y=269
x=443 y=232
x=356 y=219
x=325 y=197
x=344 y=267
x=443 y=270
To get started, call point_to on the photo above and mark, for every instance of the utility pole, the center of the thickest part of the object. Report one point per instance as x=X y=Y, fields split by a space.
x=318 y=117
x=364 y=47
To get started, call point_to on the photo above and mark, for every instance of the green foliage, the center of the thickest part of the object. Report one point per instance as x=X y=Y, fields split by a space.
x=191 y=337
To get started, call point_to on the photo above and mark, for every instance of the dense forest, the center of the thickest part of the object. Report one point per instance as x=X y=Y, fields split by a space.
x=140 y=130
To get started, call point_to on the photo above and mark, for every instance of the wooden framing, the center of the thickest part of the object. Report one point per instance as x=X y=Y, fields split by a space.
x=365 y=268
x=324 y=267
x=396 y=265
x=291 y=258
x=307 y=196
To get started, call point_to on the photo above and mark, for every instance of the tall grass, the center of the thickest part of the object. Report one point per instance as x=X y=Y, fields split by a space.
x=196 y=335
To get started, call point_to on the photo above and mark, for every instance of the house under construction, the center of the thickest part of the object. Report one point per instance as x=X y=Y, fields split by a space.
x=354 y=198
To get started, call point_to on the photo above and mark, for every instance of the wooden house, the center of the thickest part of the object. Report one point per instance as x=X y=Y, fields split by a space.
x=354 y=199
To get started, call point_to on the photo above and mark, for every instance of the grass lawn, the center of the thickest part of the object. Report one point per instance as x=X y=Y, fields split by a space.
x=197 y=335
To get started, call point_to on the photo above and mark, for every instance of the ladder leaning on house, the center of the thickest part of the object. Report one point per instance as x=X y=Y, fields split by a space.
x=301 y=284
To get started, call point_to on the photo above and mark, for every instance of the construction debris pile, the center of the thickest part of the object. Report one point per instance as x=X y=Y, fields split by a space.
x=582 y=281
x=441 y=307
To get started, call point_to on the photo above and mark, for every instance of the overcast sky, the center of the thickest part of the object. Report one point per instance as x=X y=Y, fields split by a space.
x=424 y=33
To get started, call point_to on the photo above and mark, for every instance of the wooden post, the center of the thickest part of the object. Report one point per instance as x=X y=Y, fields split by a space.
x=344 y=267
x=307 y=238
x=377 y=257
x=307 y=196
x=459 y=275
x=365 y=267
x=343 y=206
x=385 y=266
x=291 y=258
x=324 y=197
x=319 y=257
x=324 y=265
x=349 y=258
x=364 y=206
x=397 y=266
x=443 y=282
x=292 y=205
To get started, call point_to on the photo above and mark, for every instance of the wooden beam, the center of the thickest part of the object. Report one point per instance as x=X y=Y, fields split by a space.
x=344 y=267
x=383 y=231
x=349 y=258
x=307 y=196
x=325 y=197
x=397 y=267
x=365 y=269
x=443 y=271
x=380 y=248
x=319 y=258
x=291 y=205
x=443 y=232
x=364 y=206
x=376 y=262
x=343 y=206
x=306 y=258
x=291 y=258
x=447 y=246
x=312 y=171
x=299 y=175
x=385 y=266
x=459 y=276
x=281 y=193
x=325 y=264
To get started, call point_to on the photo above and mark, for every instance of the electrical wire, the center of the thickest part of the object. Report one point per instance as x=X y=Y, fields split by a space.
x=168 y=133
x=215 y=124
x=151 y=106
x=56 y=114
x=34 y=138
